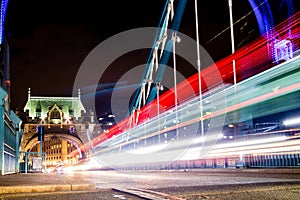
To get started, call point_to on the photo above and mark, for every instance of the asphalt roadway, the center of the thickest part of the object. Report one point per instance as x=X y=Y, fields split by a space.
x=192 y=184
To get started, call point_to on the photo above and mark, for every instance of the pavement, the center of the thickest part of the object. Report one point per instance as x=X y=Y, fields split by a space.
x=42 y=182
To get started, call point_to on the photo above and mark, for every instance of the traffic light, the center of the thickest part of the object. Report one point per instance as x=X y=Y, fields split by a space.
x=40 y=131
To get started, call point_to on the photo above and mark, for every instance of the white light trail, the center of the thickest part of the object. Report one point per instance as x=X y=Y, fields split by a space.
x=292 y=121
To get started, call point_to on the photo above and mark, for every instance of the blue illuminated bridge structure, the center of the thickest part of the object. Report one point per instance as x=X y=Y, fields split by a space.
x=242 y=112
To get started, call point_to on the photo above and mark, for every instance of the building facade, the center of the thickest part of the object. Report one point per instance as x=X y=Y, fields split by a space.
x=10 y=133
x=10 y=136
x=56 y=126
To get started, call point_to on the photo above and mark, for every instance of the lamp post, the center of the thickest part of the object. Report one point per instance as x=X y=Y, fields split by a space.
x=232 y=41
x=199 y=70
x=233 y=61
x=40 y=131
x=159 y=87
x=175 y=39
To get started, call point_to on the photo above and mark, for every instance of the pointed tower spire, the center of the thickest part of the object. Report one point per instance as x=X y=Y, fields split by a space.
x=79 y=94
x=29 y=93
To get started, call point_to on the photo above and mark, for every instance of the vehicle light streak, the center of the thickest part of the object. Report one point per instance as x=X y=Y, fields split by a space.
x=271 y=145
x=279 y=146
x=251 y=62
x=201 y=140
x=267 y=96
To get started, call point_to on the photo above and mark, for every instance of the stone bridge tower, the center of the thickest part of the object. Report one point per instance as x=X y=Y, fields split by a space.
x=66 y=126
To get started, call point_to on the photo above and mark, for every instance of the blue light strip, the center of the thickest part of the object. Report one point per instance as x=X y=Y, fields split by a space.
x=2 y=19
x=291 y=9
x=263 y=14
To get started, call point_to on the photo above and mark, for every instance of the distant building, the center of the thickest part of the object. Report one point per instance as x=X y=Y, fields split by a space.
x=56 y=151
x=66 y=126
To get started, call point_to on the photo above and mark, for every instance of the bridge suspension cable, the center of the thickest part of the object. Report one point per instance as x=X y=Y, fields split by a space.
x=158 y=58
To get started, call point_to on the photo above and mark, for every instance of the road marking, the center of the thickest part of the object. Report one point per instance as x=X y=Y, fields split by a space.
x=119 y=196
x=147 y=194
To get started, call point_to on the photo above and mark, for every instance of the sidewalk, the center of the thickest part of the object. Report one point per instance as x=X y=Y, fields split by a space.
x=38 y=182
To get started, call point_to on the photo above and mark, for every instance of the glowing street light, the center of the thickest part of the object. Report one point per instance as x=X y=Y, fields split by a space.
x=293 y=121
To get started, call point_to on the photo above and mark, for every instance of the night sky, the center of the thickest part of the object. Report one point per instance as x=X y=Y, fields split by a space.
x=50 y=39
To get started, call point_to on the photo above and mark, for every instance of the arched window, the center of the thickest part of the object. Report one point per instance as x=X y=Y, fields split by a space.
x=55 y=114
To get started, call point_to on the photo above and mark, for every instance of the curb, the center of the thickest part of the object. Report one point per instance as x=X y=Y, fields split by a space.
x=243 y=170
x=45 y=188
